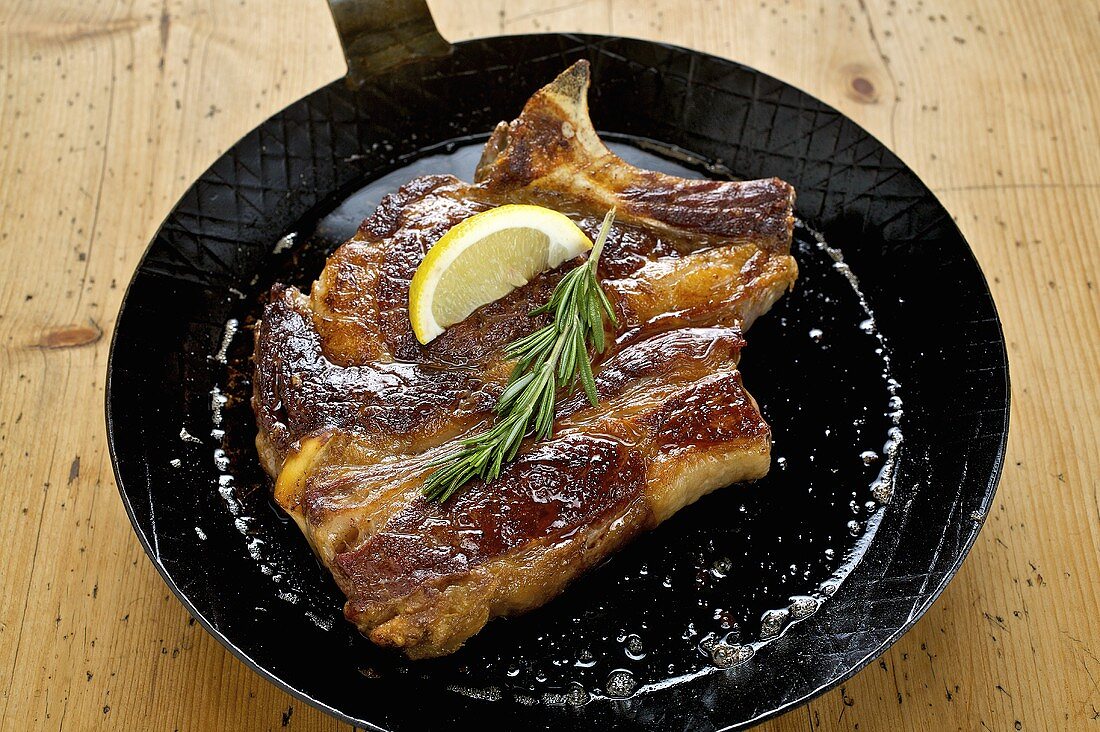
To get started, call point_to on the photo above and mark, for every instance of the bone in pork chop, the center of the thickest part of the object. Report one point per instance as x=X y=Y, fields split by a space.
x=351 y=409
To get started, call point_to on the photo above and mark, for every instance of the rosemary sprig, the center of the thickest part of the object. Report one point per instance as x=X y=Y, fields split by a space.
x=552 y=358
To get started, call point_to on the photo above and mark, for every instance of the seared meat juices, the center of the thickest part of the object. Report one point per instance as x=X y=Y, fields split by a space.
x=351 y=408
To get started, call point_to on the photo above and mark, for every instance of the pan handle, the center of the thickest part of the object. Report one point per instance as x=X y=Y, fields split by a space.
x=380 y=34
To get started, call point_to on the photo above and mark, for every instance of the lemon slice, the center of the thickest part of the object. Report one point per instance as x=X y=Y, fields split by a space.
x=485 y=257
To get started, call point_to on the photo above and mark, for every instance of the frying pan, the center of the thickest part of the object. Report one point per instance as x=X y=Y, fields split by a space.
x=883 y=374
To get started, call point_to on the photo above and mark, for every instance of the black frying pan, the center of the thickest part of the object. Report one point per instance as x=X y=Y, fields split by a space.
x=743 y=605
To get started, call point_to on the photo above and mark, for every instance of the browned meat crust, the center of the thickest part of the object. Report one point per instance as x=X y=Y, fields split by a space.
x=350 y=408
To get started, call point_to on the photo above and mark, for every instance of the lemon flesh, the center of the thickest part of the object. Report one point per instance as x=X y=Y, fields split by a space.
x=485 y=257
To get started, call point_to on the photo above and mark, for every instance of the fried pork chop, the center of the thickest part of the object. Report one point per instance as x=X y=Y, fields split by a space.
x=351 y=408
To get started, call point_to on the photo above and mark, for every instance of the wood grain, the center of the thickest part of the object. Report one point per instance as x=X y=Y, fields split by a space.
x=109 y=109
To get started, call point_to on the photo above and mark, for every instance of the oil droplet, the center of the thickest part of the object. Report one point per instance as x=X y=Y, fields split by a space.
x=620 y=684
x=830 y=553
x=816 y=334
x=218 y=400
x=868 y=457
x=721 y=567
x=231 y=326
x=284 y=244
x=803 y=606
x=854 y=528
x=724 y=655
x=188 y=437
x=490 y=694
x=772 y=623
x=635 y=651
x=577 y=696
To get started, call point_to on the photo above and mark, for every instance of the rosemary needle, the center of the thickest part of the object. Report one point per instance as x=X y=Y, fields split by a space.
x=552 y=358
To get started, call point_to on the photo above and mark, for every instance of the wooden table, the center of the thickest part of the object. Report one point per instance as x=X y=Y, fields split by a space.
x=109 y=109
